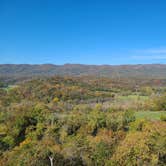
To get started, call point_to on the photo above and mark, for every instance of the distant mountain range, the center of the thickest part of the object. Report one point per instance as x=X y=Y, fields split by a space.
x=136 y=71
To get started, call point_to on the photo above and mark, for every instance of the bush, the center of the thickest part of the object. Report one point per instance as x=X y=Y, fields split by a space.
x=137 y=125
x=160 y=103
x=163 y=117
x=128 y=117
x=114 y=121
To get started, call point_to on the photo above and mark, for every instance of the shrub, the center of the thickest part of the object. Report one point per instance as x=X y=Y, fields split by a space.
x=163 y=117
x=128 y=117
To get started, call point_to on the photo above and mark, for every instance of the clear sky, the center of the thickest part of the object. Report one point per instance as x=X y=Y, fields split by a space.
x=83 y=31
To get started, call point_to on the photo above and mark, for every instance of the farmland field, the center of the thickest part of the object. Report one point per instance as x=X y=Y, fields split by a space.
x=151 y=115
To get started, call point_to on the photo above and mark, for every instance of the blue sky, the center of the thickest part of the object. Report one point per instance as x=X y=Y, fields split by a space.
x=83 y=31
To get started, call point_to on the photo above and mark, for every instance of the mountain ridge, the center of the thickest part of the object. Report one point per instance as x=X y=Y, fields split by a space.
x=112 y=71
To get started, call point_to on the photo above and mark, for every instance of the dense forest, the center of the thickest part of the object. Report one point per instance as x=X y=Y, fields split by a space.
x=74 y=121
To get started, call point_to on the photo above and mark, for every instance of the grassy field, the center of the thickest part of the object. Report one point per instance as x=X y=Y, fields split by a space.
x=153 y=115
x=133 y=97
x=10 y=87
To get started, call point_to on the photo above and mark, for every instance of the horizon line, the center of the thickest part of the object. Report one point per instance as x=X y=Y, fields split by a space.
x=83 y=64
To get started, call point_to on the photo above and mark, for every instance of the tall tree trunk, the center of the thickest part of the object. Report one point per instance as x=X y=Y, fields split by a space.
x=51 y=160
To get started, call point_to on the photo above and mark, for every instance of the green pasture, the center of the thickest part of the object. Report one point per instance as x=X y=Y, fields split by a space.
x=152 y=115
x=132 y=97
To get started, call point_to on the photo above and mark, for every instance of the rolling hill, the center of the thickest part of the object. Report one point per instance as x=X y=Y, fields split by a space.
x=120 y=71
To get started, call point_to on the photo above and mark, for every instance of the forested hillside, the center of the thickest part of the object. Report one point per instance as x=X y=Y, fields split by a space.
x=136 y=71
x=84 y=121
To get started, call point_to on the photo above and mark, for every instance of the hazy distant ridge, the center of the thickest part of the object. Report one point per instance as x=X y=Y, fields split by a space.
x=149 y=70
